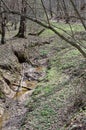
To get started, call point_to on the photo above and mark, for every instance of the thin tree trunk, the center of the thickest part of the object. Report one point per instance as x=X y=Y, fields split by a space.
x=78 y=13
x=50 y=8
x=3 y=31
x=3 y=21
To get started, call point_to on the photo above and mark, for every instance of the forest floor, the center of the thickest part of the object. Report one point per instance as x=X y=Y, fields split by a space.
x=59 y=100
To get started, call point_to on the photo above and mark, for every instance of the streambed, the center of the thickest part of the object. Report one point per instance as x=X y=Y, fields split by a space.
x=13 y=110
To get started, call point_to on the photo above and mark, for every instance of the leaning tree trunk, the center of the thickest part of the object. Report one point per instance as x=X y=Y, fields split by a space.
x=22 y=27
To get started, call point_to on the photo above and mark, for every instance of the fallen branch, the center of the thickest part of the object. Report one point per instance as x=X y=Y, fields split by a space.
x=37 y=34
x=22 y=86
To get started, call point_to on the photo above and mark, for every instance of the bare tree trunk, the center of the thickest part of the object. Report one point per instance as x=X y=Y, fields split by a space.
x=3 y=31
x=50 y=8
x=66 y=12
x=3 y=21
x=22 y=27
x=78 y=13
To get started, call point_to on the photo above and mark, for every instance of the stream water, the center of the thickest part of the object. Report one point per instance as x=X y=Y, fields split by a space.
x=13 y=110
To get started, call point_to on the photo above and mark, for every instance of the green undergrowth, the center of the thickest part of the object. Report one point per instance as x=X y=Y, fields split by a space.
x=51 y=97
x=61 y=28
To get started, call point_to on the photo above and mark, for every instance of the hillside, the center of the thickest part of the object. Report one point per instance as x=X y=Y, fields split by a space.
x=51 y=76
x=59 y=101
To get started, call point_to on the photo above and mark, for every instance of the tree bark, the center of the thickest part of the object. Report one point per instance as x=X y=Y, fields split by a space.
x=22 y=27
x=3 y=22
x=3 y=31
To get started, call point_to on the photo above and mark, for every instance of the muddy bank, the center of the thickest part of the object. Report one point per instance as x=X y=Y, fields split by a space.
x=20 y=71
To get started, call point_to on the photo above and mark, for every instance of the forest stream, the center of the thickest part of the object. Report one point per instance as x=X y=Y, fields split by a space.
x=13 y=110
